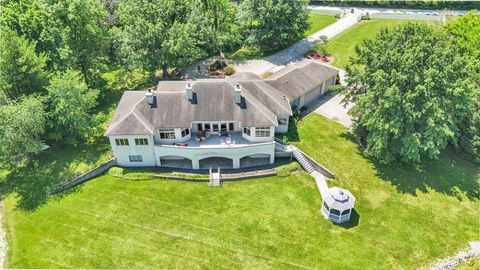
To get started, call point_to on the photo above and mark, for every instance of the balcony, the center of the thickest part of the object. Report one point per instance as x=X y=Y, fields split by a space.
x=215 y=141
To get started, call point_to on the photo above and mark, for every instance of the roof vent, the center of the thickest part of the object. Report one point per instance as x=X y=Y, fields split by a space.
x=238 y=93
x=149 y=96
x=189 y=90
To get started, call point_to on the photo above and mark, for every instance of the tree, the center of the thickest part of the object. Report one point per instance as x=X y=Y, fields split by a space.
x=74 y=34
x=274 y=23
x=70 y=101
x=157 y=34
x=215 y=23
x=21 y=69
x=22 y=124
x=466 y=30
x=412 y=89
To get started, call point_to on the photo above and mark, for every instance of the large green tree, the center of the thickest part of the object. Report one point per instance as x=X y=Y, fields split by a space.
x=21 y=68
x=73 y=33
x=215 y=23
x=412 y=87
x=466 y=29
x=156 y=34
x=70 y=102
x=273 y=23
x=22 y=124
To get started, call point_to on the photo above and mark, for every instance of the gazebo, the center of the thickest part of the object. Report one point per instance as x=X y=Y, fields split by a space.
x=338 y=204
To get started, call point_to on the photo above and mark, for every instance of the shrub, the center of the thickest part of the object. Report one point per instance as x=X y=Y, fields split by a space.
x=318 y=45
x=337 y=16
x=217 y=65
x=365 y=17
x=229 y=70
x=266 y=74
x=336 y=88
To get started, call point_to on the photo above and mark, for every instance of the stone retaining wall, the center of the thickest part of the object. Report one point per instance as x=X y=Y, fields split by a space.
x=319 y=167
x=224 y=177
x=86 y=176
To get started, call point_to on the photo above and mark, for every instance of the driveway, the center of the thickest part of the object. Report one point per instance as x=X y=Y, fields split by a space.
x=332 y=109
x=277 y=61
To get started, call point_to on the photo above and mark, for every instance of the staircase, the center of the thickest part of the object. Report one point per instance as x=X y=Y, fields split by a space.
x=298 y=155
x=215 y=178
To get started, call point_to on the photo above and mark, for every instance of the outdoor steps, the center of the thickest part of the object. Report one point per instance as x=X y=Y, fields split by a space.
x=215 y=178
x=298 y=155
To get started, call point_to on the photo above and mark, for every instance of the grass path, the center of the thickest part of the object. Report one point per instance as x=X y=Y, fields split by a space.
x=407 y=216
x=342 y=46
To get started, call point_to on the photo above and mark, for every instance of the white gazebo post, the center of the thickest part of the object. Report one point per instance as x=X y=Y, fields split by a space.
x=338 y=204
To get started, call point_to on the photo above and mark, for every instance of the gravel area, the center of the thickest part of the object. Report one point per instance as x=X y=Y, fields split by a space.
x=451 y=263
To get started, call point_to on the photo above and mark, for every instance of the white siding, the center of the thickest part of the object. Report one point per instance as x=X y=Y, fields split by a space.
x=122 y=152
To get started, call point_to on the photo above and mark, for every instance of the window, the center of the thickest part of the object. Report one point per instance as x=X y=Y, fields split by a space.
x=282 y=122
x=141 y=141
x=230 y=126
x=167 y=133
x=199 y=126
x=185 y=132
x=135 y=158
x=207 y=127
x=262 y=132
x=215 y=127
x=346 y=212
x=223 y=127
x=246 y=130
x=121 y=141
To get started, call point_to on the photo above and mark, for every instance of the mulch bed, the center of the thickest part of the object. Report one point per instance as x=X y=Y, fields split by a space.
x=318 y=57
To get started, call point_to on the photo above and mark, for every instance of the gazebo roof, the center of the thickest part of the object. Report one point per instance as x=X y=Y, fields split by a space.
x=340 y=199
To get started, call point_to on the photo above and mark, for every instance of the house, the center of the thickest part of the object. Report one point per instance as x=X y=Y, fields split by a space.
x=227 y=123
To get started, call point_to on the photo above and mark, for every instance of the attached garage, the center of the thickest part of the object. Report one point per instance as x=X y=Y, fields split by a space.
x=313 y=95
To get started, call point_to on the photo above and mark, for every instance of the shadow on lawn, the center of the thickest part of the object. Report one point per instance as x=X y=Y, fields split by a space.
x=449 y=174
x=353 y=222
x=53 y=167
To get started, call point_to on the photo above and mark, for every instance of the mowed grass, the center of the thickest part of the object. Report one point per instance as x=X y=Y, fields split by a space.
x=342 y=46
x=406 y=217
x=318 y=22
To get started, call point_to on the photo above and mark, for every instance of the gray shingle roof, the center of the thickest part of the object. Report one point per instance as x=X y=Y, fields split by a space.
x=300 y=78
x=214 y=100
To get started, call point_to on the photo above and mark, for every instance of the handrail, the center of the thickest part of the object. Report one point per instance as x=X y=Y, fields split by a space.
x=219 y=146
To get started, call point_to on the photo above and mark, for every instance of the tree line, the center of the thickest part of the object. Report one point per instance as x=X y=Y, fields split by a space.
x=416 y=90
x=59 y=58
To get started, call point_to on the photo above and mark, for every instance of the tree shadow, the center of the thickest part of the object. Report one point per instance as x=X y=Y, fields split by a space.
x=52 y=167
x=353 y=222
x=449 y=174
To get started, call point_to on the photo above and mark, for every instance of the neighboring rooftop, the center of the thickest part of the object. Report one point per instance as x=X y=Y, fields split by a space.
x=215 y=100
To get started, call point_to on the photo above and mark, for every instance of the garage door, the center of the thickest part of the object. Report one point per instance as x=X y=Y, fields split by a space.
x=312 y=96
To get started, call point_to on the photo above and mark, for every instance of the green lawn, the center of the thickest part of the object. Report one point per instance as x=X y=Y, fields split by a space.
x=318 y=22
x=406 y=217
x=342 y=46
